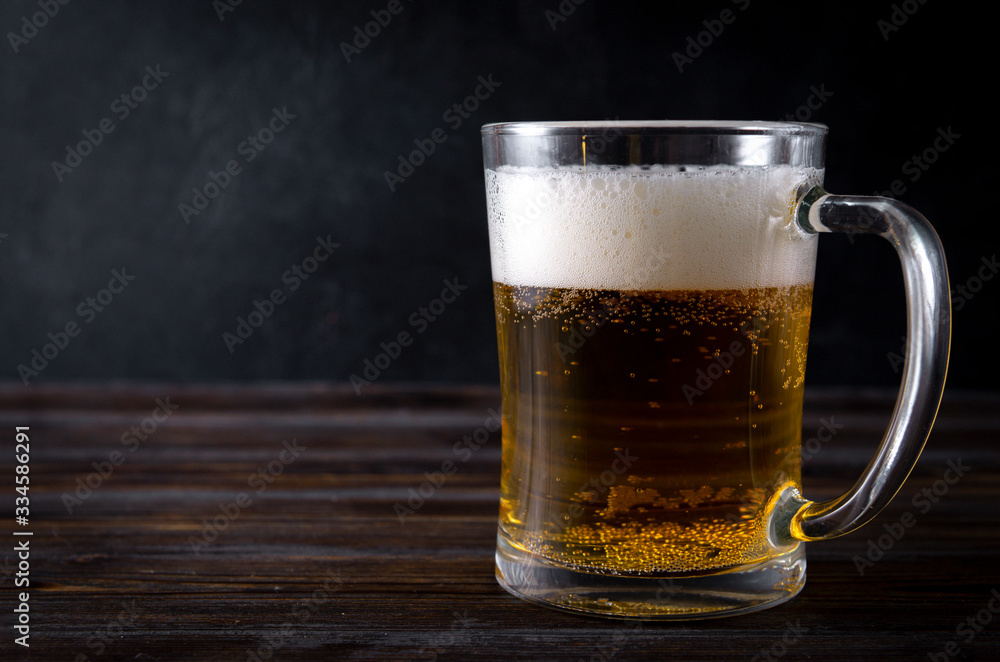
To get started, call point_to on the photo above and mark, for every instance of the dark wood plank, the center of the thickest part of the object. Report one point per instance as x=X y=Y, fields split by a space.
x=317 y=565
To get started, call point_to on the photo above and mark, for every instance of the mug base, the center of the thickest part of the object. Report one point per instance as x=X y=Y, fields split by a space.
x=668 y=597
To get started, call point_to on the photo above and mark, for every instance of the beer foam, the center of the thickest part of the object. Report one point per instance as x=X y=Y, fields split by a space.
x=649 y=228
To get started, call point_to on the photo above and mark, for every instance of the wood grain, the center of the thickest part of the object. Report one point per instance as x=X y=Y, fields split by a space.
x=317 y=565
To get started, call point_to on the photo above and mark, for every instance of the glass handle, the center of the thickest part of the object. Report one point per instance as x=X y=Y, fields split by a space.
x=928 y=313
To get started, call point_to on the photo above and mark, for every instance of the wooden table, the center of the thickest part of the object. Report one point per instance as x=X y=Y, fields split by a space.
x=245 y=523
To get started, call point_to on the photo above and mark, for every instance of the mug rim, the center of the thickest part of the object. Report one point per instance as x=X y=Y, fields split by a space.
x=655 y=127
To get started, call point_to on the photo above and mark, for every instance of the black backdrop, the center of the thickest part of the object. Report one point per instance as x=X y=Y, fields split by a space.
x=106 y=276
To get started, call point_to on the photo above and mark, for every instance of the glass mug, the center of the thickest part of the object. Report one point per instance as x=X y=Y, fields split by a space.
x=653 y=287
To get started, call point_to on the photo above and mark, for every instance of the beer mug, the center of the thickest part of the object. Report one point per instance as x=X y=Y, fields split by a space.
x=653 y=284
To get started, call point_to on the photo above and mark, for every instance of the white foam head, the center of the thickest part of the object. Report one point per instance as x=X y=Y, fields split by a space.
x=662 y=228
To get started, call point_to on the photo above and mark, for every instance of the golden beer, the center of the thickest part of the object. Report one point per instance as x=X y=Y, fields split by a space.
x=647 y=432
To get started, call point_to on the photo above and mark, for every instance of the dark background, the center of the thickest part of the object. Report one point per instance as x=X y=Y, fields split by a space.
x=889 y=94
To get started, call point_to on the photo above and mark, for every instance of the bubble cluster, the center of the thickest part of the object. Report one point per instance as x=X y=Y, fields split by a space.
x=640 y=228
x=660 y=546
